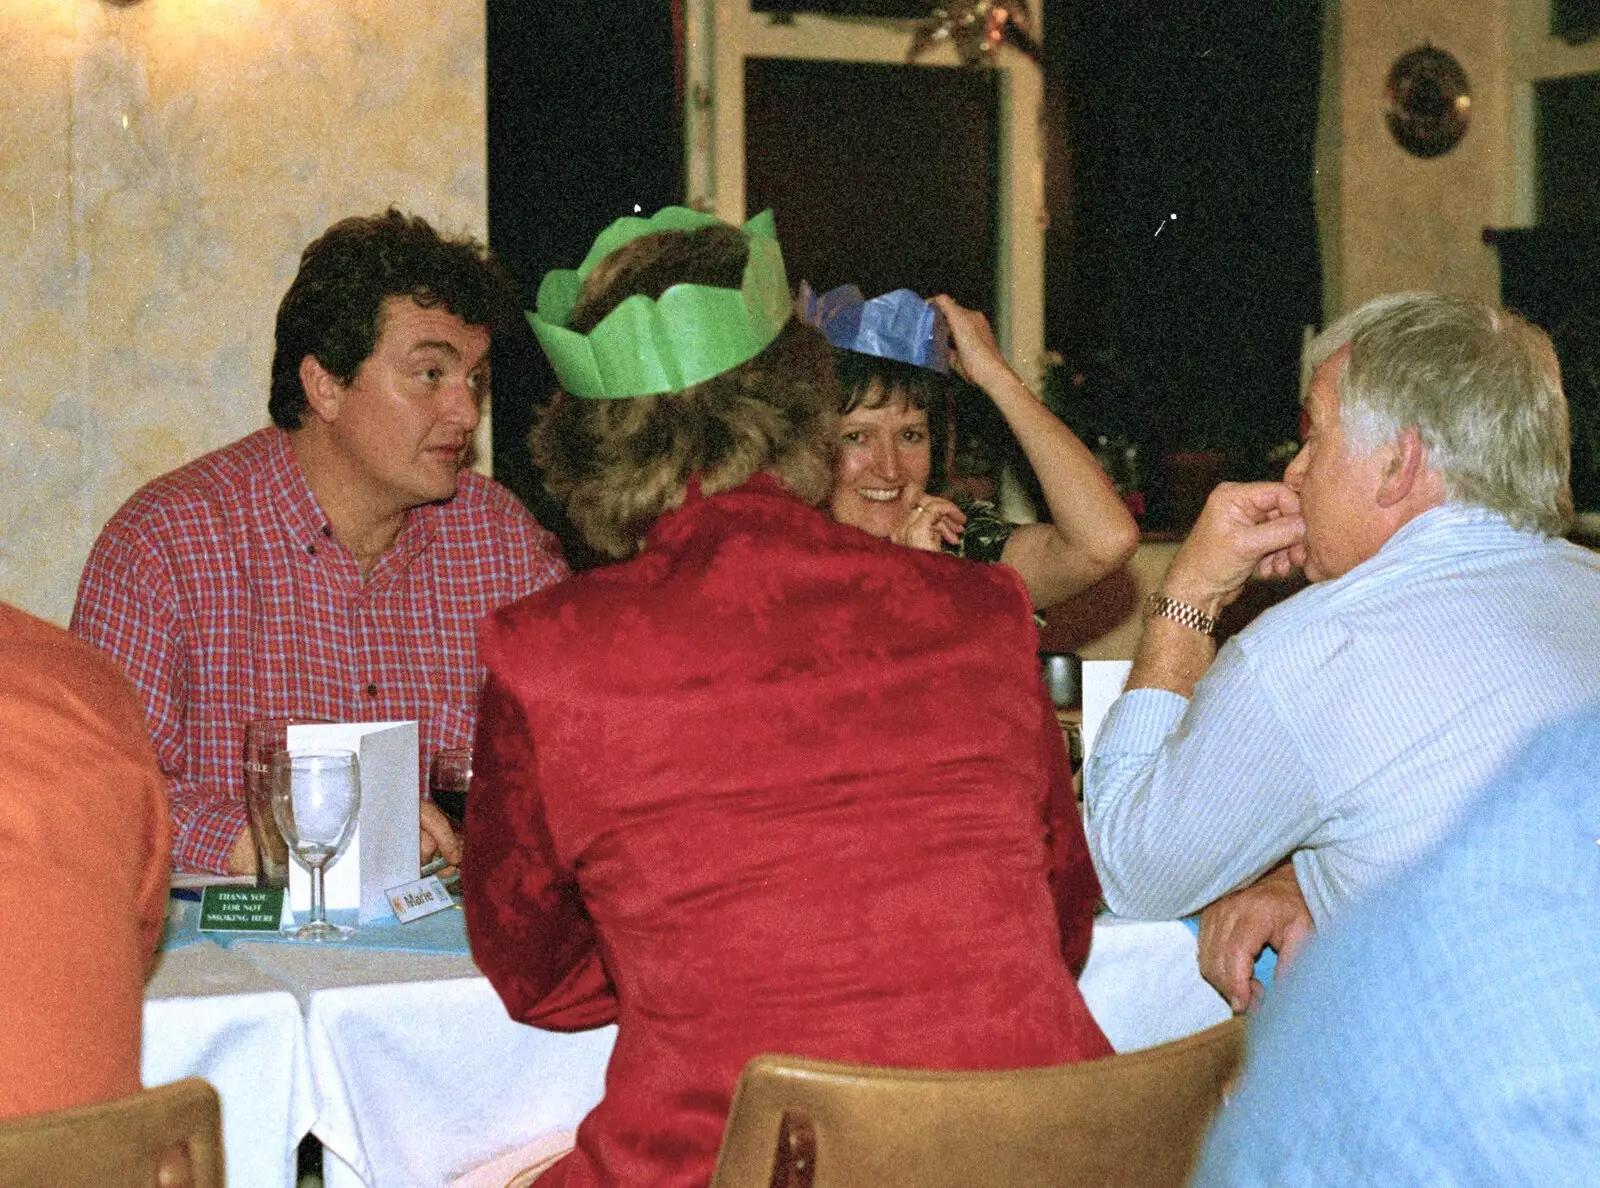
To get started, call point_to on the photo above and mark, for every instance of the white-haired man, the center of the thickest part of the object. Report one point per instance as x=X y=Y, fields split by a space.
x=1339 y=736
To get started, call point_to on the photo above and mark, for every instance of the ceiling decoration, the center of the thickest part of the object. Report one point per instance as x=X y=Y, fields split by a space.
x=977 y=28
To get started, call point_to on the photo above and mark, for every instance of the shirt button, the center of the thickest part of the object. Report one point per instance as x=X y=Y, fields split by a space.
x=311 y=549
x=372 y=690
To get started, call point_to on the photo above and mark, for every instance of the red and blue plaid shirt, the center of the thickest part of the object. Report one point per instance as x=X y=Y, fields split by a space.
x=221 y=592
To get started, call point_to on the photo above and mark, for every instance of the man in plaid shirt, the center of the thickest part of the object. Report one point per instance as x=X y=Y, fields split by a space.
x=336 y=564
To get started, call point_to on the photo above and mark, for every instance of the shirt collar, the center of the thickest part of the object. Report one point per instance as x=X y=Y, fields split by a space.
x=760 y=485
x=292 y=493
x=308 y=523
x=1457 y=523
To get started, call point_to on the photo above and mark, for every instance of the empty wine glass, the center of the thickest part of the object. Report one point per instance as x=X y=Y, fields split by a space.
x=315 y=795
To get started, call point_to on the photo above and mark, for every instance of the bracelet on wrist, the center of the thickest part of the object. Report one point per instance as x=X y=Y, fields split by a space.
x=1192 y=617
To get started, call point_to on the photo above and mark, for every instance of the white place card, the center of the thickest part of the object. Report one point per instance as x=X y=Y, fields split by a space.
x=383 y=851
x=412 y=901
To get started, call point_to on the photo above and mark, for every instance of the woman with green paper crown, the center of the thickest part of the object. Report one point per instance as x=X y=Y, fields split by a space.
x=894 y=352
x=721 y=796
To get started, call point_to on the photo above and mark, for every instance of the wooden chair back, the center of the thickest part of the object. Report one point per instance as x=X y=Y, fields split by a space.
x=1136 y=1120
x=166 y=1137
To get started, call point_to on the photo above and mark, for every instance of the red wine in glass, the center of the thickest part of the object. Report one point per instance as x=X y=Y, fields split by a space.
x=449 y=775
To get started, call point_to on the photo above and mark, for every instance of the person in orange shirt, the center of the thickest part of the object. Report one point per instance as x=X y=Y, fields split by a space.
x=84 y=839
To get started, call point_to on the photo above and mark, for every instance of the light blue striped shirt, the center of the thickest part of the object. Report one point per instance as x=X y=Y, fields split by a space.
x=1447 y=1030
x=1349 y=725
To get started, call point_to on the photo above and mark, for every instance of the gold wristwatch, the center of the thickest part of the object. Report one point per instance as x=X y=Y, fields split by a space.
x=1191 y=617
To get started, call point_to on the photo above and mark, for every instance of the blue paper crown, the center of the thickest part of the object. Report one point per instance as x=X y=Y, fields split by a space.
x=899 y=325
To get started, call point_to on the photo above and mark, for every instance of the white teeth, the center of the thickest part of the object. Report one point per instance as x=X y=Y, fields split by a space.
x=873 y=495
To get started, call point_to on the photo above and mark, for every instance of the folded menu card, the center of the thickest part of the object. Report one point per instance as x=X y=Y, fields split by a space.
x=383 y=851
x=1101 y=684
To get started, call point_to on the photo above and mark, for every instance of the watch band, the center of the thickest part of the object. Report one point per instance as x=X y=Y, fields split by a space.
x=1191 y=617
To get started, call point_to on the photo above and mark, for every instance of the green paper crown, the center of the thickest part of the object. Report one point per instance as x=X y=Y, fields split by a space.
x=687 y=335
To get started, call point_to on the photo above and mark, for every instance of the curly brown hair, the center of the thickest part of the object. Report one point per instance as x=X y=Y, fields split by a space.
x=334 y=308
x=620 y=464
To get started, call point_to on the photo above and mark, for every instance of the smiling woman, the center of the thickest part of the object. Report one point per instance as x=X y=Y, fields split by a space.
x=884 y=460
x=885 y=463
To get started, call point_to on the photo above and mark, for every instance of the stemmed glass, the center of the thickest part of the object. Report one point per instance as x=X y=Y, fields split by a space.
x=449 y=777
x=315 y=795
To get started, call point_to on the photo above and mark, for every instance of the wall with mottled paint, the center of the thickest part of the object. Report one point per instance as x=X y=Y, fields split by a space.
x=161 y=167
x=1390 y=221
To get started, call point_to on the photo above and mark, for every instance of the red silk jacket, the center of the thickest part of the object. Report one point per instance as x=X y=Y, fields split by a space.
x=773 y=785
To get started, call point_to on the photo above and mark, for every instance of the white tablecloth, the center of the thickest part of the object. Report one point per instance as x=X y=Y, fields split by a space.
x=422 y=1075
x=209 y=1013
x=416 y=1073
x=1143 y=984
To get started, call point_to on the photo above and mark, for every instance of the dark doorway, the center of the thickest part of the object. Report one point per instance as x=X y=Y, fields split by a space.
x=584 y=125
x=1207 y=112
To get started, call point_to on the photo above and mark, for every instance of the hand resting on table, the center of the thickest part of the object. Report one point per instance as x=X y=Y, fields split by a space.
x=1236 y=928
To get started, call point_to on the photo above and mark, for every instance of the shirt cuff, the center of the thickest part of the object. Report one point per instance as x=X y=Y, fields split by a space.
x=205 y=838
x=1135 y=726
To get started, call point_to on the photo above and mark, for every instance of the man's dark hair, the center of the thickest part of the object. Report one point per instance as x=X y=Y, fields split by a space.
x=333 y=309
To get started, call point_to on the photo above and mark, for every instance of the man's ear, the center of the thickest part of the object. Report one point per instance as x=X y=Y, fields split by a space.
x=324 y=393
x=1405 y=467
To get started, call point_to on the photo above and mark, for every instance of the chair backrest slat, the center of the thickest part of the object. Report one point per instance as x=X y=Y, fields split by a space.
x=1132 y=1119
x=168 y=1137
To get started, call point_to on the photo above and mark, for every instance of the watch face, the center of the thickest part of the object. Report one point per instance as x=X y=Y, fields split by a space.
x=1428 y=102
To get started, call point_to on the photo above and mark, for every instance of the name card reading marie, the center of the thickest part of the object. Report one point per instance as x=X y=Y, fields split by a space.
x=242 y=909
x=412 y=901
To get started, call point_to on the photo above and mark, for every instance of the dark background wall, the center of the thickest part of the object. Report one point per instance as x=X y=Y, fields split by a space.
x=1207 y=111
x=878 y=175
x=584 y=124
x=1550 y=273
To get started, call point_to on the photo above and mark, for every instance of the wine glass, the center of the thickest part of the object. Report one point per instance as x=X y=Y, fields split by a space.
x=449 y=777
x=315 y=795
